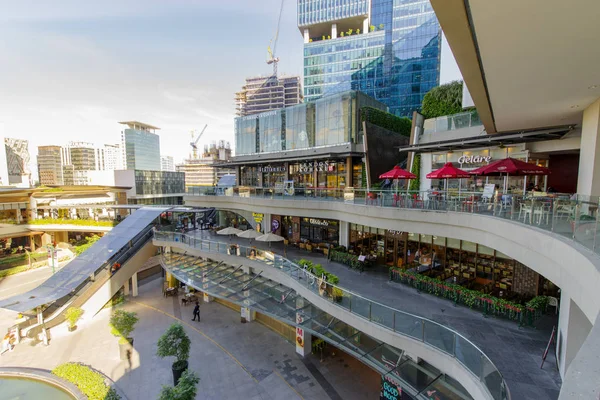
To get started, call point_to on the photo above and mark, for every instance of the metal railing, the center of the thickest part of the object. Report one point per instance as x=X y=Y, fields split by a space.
x=571 y=215
x=424 y=330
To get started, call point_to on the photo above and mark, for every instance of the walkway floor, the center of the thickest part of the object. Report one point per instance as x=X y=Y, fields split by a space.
x=517 y=352
x=233 y=360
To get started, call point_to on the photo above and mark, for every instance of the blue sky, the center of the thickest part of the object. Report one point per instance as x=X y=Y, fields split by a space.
x=70 y=69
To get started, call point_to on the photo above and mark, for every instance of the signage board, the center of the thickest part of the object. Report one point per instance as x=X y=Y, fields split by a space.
x=319 y=166
x=391 y=390
x=258 y=217
x=299 y=334
x=488 y=190
x=274 y=225
x=316 y=221
x=474 y=159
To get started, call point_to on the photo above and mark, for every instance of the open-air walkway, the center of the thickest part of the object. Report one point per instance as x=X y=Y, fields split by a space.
x=517 y=352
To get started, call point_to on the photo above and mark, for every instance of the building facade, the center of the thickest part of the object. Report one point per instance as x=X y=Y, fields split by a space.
x=17 y=162
x=388 y=49
x=167 y=164
x=265 y=93
x=202 y=171
x=50 y=168
x=140 y=146
x=315 y=145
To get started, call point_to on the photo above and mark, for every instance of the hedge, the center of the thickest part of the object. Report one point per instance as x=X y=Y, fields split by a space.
x=348 y=259
x=17 y=260
x=65 y=221
x=318 y=270
x=490 y=305
x=91 y=383
x=386 y=120
x=443 y=100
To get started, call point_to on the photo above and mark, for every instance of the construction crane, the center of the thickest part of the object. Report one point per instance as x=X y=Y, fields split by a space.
x=194 y=143
x=273 y=59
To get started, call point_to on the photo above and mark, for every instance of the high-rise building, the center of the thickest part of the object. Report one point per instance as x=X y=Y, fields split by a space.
x=388 y=49
x=17 y=162
x=140 y=146
x=81 y=155
x=201 y=171
x=167 y=164
x=50 y=168
x=113 y=157
x=265 y=93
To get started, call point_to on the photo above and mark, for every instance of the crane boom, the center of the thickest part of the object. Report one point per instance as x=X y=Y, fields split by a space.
x=273 y=59
x=200 y=135
x=194 y=144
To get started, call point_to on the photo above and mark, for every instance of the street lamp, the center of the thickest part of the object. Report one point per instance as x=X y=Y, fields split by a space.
x=51 y=252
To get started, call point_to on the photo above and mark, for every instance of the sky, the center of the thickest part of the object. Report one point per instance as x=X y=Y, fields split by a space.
x=71 y=69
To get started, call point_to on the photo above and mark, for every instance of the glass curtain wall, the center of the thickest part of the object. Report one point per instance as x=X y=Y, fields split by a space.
x=333 y=120
x=245 y=135
x=270 y=131
x=296 y=132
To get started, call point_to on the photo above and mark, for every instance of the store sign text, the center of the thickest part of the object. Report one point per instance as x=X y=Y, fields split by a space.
x=390 y=390
x=258 y=217
x=320 y=166
x=315 y=221
x=474 y=159
x=271 y=169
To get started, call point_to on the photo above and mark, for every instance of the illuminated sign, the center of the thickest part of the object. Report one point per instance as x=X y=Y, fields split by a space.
x=474 y=159
x=315 y=221
x=319 y=166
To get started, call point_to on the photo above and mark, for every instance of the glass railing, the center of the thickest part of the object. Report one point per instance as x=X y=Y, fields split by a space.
x=429 y=332
x=451 y=122
x=572 y=216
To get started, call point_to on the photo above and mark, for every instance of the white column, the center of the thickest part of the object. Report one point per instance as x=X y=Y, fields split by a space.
x=126 y=288
x=333 y=31
x=588 y=181
x=344 y=234
x=266 y=224
x=134 y=285
x=246 y=313
x=365 y=25
x=573 y=329
x=306 y=39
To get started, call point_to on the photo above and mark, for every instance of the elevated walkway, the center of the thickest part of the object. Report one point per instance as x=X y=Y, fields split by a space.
x=332 y=306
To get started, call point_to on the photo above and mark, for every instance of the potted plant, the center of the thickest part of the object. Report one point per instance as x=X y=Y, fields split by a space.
x=184 y=390
x=73 y=315
x=122 y=324
x=175 y=343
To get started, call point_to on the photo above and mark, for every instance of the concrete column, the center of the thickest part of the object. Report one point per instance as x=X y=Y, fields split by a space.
x=286 y=174
x=588 y=181
x=246 y=313
x=349 y=182
x=573 y=329
x=344 y=238
x=303 y=338
x=32 y=208
x=365 y=25
x=426 y=160
x=134 y=285
x=266 y=224
x=126 y=288
x=306 y=35
x=333 y=31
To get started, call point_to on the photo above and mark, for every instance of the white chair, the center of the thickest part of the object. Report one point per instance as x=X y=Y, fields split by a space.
x=565 y=209
x=525 y=210
x=553 y=301
x=539 y=212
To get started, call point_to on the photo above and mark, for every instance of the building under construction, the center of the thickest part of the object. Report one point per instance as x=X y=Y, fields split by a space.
x=200 y=171
x=265 y=93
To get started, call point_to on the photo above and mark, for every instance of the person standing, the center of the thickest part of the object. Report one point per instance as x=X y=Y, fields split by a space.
x=196 y=312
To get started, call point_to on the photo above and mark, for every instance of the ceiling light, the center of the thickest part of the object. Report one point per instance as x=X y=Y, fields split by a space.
x=593 y=87
x=575 y=106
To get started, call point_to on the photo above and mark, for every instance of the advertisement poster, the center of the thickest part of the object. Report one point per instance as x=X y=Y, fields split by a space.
x=299 y=334
x=391 y=390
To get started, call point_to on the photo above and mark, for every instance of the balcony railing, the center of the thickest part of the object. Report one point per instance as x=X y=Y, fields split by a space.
x=412 y=326
x=573 y=216
x=451 y=122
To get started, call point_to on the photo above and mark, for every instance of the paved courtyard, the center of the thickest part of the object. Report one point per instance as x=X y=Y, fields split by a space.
x=233 y=360
x=517 y=352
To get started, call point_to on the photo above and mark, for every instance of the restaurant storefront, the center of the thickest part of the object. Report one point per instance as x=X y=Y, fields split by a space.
x=469 y=160
x=424 y=253
x=321 y=232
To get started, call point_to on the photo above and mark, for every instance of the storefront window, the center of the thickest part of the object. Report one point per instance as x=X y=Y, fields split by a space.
x=333 y=120
x=248 y=176
x=357 y=174
x=426 y=257
x=245 y=135
x=439 y=251
x=413 y=248
x=485 y=262
x=319 y=231
x=296 y=136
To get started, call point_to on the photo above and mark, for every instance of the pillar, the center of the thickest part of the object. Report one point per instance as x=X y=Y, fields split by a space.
x=32 y=207
x=266 y=224
x=207 y=298
x=303 y=338
x=349 y=171
x=365 y=25
x=286 y=174
x=126 y=288
x=344 y=239
x=134 y=285
x=573 y=329
x=306 y=35
x=333 y=31
x=588 y=181
x=246 y=313
x=32 y=242
x=246 y=269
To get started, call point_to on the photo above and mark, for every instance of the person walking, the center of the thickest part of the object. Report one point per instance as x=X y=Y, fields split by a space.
x=196 y=312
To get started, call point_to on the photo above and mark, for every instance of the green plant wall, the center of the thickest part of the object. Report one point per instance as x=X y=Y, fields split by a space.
x=415 y=184
x=443 y=100
x=386 y=120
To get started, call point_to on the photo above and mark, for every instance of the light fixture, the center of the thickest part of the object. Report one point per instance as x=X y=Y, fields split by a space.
x=592 y=87
x=575 y=106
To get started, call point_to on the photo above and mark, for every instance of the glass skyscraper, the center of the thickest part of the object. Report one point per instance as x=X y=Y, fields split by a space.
x=388 y=49
x=141 y=146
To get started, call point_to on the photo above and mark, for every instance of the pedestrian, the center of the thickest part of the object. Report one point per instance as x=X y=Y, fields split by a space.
x=196 y=312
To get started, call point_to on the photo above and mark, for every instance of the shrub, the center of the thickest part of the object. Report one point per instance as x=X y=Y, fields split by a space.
x=122 y=323
x=91 y=383
x=318 y=271
x=185 y=390
x=174 y=343
x=72 y=315
x=89 y=241
x=386 y=120
x=443 y=100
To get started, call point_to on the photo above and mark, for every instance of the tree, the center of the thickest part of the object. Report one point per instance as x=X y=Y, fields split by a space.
x=443 y=100
x=184 y=390
x=122 y=323
x=72 y=315
x=175 y=343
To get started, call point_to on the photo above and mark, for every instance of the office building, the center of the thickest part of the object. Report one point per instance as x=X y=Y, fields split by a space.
x=113 y=157
x=50 y=168
x=167 y=164
x=16 y=153
x=389 y=50
x=202 y=171
x=140 y=146
x=265 y=93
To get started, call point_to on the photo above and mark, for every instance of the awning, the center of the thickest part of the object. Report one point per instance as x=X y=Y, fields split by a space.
x=75 y=273
x=496 y=139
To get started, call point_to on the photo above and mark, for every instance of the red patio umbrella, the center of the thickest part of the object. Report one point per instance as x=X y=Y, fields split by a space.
x=510 y=166
x=398 y=173
x=448 y=171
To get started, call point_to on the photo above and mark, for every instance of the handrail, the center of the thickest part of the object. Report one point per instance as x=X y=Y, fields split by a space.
x=573 y=216
x=406 y=324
